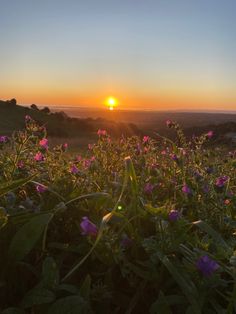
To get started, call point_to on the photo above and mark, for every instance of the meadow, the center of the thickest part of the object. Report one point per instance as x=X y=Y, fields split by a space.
x=131 y=225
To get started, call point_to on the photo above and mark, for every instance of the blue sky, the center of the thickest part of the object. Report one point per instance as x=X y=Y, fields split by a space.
x=161 y=54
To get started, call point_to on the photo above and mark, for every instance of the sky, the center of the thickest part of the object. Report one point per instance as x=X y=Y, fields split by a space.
x=149 y=54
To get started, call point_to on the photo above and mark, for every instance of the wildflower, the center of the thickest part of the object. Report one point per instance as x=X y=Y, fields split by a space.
x=64 y=147
x=186 y=189
x=88 y=228
x=20 y=164
x=74 y=169
x=206 y=189
x=148 y=188
x=206 y=265
x=44 y=143
x=163 y=152
x=90 y=146
x=174 y=215
x=227 y=202
x=101 y=132
x=220 y=182
x=174 y=157
x=146 y=139
x=79 y=158
x=41 y=188
x=39 y=157
x=4 y=139
x=28 y=119
x=169 y=124
x=210 y=134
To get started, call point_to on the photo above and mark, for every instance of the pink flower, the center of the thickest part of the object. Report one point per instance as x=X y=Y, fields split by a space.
x=74 y=169
x=101 y=132
x=90 y=146
x=169 y=123
x=20 y=164
x=41 y=188
x=44 y=143
x=210 y=134
x=39 y=157
x=146 y=139
x=28 y=119
x=88 y=228
x=79 y=158
x=64 y=147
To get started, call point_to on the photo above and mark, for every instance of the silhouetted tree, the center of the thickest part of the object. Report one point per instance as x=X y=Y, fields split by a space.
x=46 y=110
x=12 y=102
x=34 y=107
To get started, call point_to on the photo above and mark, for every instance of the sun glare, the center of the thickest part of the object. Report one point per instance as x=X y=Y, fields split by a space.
x=111 y=102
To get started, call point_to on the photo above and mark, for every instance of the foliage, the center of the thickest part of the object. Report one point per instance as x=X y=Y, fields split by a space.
x=132 y=226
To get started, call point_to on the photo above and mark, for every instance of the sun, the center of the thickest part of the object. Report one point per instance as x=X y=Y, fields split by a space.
x=111 y=102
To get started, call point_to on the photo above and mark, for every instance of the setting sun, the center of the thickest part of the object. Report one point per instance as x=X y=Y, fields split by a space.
x=111 y=102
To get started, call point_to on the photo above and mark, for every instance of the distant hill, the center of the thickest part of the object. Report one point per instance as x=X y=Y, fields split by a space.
x=58 y=124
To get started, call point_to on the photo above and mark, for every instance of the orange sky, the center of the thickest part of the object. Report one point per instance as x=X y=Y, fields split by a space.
x=155 y=55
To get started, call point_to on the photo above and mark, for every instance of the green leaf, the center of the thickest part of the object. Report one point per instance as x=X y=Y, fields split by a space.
x=27 y=236
x=37 y=296
x=69 y=305
x=161 y=305
x=50 y=273
x=211 y=232
x=185 y=283
x=8 y=187
x=131 y=174
x=86 y=287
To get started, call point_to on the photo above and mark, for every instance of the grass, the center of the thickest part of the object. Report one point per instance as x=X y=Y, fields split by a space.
x=128 y=226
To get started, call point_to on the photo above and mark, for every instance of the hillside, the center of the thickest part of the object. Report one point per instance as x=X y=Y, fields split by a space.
x=58 y=123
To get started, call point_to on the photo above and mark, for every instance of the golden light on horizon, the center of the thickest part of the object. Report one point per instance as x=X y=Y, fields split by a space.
x=111 y=102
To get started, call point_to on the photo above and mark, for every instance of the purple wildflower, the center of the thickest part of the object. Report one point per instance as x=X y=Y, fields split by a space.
x=88 y=228
x=220 y=182
x=186 y=189
x=4 y=139
x=74 y=169
x=148 y=188
x=41 y=188
x=174 y=215
x=174 y=157
x=206 y=265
